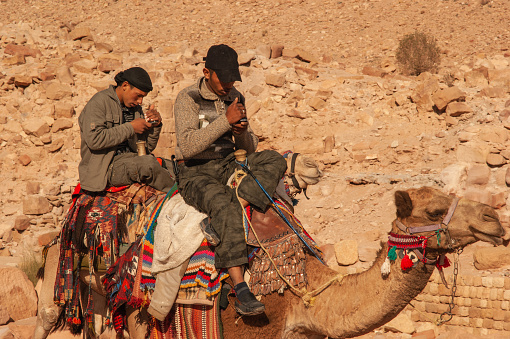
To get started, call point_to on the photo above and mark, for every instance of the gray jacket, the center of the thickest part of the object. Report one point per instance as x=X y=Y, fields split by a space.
x=102 y=129
x=201 y=127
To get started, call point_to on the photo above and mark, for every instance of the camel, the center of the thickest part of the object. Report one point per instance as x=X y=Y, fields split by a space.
x=357 y=304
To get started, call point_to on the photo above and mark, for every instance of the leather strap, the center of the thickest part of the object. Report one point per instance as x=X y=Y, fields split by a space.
x=292 y=174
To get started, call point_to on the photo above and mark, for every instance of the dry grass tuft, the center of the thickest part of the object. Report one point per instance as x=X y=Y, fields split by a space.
x=417 y=53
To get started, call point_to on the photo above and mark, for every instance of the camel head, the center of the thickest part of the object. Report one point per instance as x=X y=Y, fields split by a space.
x=301 y=174
x=447 y=221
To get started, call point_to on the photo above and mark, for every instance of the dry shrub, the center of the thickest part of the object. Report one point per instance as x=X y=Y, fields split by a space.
x=417 y=53
x=30 y=264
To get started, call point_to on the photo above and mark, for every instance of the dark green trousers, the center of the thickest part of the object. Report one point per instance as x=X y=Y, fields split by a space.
x=128 y=168
x=204 y=187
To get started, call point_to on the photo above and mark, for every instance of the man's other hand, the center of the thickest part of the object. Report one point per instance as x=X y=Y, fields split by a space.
x=140 y=125
x=239 y=128
x=152 y=116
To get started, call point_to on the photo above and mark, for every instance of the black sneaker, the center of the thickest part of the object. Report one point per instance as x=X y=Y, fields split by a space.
x=209 y=233
x=249 y=305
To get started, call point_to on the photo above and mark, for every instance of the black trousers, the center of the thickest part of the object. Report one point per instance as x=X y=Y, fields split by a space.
x=204 y=187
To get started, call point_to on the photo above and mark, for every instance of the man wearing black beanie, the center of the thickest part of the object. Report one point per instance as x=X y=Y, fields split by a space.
x=111 y=124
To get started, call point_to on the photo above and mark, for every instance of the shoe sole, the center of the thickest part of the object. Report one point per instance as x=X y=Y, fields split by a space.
x=254 y=312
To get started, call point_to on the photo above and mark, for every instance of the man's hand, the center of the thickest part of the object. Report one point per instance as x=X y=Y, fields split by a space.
x=140 y=125
x=152 y=116
x=235 y=112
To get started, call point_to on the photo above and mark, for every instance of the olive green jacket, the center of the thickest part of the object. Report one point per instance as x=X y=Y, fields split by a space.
x=102 y=129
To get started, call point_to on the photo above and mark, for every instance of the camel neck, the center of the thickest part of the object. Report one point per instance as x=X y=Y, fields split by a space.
x=361 y=301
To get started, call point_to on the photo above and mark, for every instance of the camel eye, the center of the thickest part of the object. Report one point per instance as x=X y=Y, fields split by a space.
x=435 y=215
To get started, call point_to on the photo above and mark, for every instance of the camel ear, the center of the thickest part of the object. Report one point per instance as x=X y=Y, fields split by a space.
x=403 y=203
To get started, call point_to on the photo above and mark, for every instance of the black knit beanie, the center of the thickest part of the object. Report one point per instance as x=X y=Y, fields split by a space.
x=137 y=77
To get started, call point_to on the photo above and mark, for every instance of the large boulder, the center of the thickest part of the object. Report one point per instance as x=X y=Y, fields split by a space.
x=491 y=257
x=17 y=294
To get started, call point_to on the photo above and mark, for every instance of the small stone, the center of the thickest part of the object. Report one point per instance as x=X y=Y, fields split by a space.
x=245 y=58
x=346 y=252
x=443 y=97
x=296 y=114
x=475 y=79
x=173 y=77
x=401 y=324
x=21 y=223
x=478 y=175
x=104 y=47
x=13 y=282
x=495 y=160
x=61 y=124
x=22 y=81
x=85 y=66
x=58 y=91
x=141 y=48
x=498 y=200
x=373 y=71
x=55 y=145
x=277 y=80
x=46 y=139
x=289 y=53
x=109 y=63
x=45 y=238
x=80 y=32
x=256 y=90
x=455 y=109
x=276 y=51
x=22 y=50
x=307 y=72
x=36 y=205
x=64 y=75
x=316 y=103
x=494 y=92
x=35 y=126
x=24 y=159
x=465 y=136
x=306 y=56
x=507 y=177
x=263 y=50
x=33 y=187
x=14 y=60
x=63 y=110
x=329 y=143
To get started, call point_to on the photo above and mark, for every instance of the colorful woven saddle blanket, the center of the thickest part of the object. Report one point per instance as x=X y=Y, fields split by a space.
x=94 y=231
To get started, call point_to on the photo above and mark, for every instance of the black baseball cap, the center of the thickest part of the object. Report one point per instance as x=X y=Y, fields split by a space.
x=222 y=59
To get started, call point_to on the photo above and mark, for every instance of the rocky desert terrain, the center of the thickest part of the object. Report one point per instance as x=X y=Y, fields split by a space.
x=320 y=78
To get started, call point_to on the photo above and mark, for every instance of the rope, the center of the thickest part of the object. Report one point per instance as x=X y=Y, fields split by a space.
x=307 y=297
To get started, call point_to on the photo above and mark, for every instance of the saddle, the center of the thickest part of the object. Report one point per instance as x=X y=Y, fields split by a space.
x=269 y=227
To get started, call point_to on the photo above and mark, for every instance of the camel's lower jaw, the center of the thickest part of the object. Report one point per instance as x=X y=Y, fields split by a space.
x=493 y=239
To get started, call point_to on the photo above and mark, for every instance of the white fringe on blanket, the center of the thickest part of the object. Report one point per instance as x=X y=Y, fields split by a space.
x=178 y=234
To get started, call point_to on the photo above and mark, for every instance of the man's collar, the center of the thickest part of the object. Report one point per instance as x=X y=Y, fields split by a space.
x=207 y=94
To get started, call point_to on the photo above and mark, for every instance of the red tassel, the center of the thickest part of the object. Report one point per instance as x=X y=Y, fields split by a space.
x=446 y=263
x=406 y=263
x=76 y=321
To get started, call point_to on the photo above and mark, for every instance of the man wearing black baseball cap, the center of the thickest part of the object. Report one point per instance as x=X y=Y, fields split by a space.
x=210 y=123
x=110 y=125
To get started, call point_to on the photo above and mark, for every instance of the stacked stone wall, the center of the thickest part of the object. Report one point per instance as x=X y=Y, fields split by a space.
x=482 y=304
